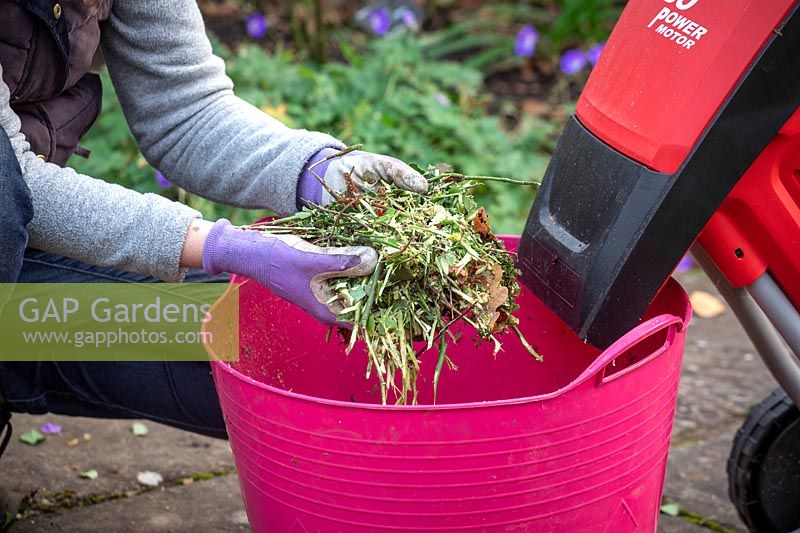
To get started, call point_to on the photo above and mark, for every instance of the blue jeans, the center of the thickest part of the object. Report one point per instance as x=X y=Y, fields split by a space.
x=179 y=394
x=16 y=211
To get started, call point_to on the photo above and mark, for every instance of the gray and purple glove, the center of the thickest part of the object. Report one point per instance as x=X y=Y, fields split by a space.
x=292 y=268
x=365 y=169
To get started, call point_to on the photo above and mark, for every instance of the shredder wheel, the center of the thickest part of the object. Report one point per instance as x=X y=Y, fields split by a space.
x=764 y=466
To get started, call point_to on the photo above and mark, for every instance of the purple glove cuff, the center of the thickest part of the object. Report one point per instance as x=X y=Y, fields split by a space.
x=211 y=246
x=308 y=187
x=233 y=250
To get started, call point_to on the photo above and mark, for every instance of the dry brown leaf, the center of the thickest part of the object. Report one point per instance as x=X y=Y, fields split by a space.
x=504 y=321
x=706 y=305
x=491 y=278
x=460 y=274
x=498 y=294
x=481 y=223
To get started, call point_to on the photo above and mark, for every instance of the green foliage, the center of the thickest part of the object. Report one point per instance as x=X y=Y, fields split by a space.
x=582 y=21
x=394 y=101
x=390 y=98
x=484 y=36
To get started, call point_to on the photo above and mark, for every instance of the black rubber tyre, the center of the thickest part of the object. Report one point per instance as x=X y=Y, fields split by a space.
x=764 y=467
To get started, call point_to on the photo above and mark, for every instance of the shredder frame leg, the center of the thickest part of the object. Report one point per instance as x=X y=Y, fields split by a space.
x=769 y=319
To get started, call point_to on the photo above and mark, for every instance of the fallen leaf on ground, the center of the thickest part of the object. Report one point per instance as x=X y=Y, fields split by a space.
x=139 y=429
x=89 y=474
x=72 y=442
x=50 y=429
x=671 y=508
x=706 y=305
x=149 y=479
x=32 y=437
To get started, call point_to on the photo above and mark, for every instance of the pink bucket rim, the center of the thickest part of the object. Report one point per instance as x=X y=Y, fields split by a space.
x=640 y=332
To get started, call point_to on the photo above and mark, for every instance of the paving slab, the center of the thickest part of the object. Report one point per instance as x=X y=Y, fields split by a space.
x=210 y=505
x=723 y=377
x=696 y=479
x=50 y=470
x=676 y=524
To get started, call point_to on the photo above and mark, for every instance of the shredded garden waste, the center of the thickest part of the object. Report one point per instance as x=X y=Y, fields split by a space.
x=439 y=264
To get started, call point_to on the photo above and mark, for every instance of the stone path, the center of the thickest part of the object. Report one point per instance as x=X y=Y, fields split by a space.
x=722 y=380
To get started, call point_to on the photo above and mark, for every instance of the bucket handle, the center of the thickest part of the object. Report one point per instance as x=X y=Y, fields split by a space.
x=635 y=337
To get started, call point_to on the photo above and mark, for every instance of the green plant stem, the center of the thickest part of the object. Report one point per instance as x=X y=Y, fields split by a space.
x=372 y=288
x=438 y=372
x=462 y=177
x=320 y=32
x=531 y=349
x=298 y=32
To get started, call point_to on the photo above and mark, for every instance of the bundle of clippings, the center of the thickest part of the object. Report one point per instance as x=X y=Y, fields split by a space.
x=439 y=264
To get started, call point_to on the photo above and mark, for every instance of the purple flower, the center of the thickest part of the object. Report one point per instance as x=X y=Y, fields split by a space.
x=573 y=61
x=256 y=26
x=50 y=429
x=379 y=21
x=527 y=39
x=409 y=19
x=685 y=265
x=162 y=181
x=593 y=54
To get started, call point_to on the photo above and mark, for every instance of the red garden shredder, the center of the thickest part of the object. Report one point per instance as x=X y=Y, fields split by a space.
x=687 y=135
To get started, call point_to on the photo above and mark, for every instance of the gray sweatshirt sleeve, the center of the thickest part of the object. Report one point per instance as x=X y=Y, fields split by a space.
x=95 y=221
x=181 y=108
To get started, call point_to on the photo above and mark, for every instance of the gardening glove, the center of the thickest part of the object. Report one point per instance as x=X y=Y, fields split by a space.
x=365 y=170
x=292 y=268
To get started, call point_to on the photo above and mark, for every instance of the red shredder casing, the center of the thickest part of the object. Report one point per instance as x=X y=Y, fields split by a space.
x=757 y=228
x=657 y=87
x=686 y=96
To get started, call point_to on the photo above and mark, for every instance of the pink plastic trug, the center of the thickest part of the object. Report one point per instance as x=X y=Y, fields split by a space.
x=575 y=443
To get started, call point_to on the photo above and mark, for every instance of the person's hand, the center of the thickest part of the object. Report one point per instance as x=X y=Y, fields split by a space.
x=292 y=268
x=363 y=170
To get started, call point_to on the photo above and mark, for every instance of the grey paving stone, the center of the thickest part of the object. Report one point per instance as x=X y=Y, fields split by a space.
x=51 y=468
x=210 y=505
x=674 y=524
x=722 y=376
x=697 y=480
